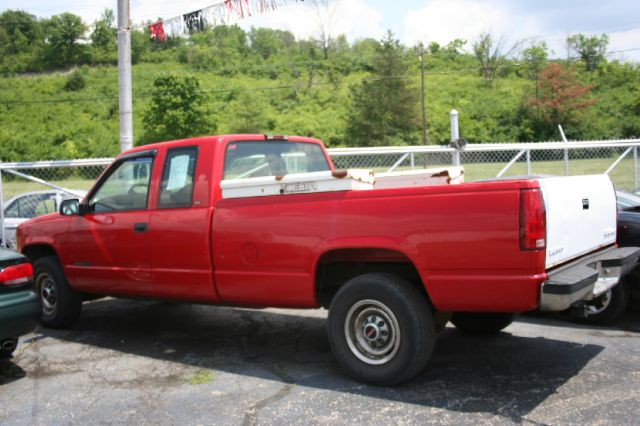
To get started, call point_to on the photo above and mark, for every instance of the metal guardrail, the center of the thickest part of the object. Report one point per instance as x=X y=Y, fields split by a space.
x=617 y=158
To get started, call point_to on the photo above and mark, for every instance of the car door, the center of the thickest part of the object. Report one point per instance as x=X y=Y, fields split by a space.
x=179 y=229
x=108 y=245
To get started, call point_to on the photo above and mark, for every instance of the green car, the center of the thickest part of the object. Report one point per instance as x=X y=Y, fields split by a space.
x=19 y=304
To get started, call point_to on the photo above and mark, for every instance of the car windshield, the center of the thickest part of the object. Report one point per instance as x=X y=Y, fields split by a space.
x=627 y=200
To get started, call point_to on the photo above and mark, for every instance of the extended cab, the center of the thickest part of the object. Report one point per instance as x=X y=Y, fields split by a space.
x=258 y=221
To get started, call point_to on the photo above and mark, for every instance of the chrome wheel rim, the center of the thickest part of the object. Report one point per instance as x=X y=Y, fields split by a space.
x=598 y=305
x=372 y=332
x=48 y=293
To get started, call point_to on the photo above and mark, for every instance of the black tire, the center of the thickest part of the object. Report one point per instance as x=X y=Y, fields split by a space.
x=7 y=346
x=61 y=305
x=482 y=322
x=606 y=308
x=400 y=322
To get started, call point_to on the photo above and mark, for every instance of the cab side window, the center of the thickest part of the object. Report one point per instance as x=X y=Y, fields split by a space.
x=176 y=187
x=126 y=188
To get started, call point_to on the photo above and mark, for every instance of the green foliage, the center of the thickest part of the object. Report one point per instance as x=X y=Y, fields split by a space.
x=75 y=81
x=20 y=41
x=383 y=111
x=267 y=81
x=535 y=58
x=590 y=49
x=104 y=34
x=177 y=110
x=492 y=55
x=267 y=42
x=63 y=33
x=250 y=113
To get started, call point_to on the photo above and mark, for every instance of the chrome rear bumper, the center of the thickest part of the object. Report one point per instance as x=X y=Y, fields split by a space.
x=587 y=277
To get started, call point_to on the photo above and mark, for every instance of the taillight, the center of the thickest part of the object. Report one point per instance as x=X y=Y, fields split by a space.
x=533 y=226
x=16 y=274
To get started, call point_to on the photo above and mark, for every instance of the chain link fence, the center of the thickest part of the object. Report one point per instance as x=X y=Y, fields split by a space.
x=32 y=189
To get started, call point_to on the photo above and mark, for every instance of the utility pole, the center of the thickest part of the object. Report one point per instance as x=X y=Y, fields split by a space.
x=424 y=113
x=124 y=75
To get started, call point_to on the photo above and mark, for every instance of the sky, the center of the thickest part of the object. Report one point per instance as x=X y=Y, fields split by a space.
x=411 y=21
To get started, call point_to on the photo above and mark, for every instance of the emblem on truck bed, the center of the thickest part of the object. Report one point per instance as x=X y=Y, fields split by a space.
x=295 y=187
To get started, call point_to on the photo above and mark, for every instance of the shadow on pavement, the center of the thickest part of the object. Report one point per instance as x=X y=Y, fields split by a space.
x=629 y=321
x=10 y=372
x=504 y=375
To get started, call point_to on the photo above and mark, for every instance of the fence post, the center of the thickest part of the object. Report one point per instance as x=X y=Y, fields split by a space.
x=566 y=151
x=635 y=168
x=413 y=161
x=455 y=135
x=2 y=236
x=528 y=162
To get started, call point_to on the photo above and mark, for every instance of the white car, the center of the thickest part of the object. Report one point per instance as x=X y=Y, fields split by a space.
x=25 y=206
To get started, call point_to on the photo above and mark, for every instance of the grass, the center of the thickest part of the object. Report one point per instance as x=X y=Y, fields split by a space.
x=17 y=186
x=201 y=377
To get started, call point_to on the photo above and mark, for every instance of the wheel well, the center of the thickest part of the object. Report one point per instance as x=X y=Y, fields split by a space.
x=339 y=266
x=35 y=252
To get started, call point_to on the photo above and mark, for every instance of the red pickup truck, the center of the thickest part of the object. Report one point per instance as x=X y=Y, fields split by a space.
x=264 y=221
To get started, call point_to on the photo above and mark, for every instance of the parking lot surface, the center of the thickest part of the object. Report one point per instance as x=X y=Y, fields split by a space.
x=140 y=362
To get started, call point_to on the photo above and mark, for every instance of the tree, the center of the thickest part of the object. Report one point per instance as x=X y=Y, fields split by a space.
x=384 y=106
x=535 y=58
x=250 y=113
x=492 y=55
x=590 y=49
x=104 y=33
x=561 y=97
x=21 y=29
x=63 y=33
x=265 y=42
x=326 y=12
x=177 y=110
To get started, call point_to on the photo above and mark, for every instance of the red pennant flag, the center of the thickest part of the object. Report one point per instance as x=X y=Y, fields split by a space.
x=157 y=32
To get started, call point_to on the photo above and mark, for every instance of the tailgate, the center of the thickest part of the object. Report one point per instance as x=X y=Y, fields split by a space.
x=581 y=216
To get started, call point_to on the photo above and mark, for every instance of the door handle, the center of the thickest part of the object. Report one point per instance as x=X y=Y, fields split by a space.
x=140 y=227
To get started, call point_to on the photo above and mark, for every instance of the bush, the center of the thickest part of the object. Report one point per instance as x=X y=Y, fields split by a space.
x=75 y=82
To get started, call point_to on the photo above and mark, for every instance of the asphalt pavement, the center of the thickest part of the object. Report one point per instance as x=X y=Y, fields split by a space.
x=141 y=362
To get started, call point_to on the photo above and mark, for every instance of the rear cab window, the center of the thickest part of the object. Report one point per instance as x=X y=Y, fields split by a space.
x=249 y=159
x=176 y=186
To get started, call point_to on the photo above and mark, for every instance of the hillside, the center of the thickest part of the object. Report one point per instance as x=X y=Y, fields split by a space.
x=288 y=87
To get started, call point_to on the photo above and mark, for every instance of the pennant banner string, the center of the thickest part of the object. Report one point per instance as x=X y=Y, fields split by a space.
x=222 y=13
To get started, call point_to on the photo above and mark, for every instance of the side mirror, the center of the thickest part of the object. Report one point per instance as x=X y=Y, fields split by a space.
x=70 y=207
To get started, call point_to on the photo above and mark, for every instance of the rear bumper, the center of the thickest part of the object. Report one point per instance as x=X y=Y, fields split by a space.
x=587 y=277
x=19 y=313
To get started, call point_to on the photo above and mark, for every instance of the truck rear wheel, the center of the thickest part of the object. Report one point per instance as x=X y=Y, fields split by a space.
x=482 y=322
x=606 y=308
x=381 y=329
x=61 y=305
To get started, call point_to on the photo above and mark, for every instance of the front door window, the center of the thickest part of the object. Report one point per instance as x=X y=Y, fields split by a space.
x=126 y=188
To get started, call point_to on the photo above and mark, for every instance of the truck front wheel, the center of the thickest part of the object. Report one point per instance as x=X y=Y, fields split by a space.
x=381 y=329
x=61 y=305
x=482 y=322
